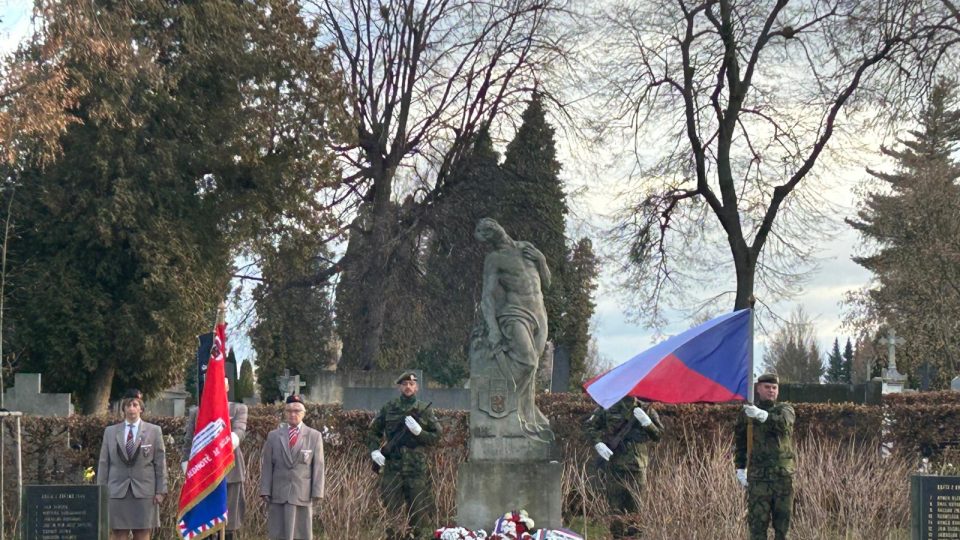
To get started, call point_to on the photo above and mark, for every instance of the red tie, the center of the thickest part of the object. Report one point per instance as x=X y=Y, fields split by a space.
x=129 y=440
x=294 y=433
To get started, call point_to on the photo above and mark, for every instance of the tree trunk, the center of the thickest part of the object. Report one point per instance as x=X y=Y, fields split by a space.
x=97 y=401
x=745 y=263
x=376 y=275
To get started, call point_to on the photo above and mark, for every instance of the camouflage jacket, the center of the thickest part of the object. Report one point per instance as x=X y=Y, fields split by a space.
x=633 y=451
x=773 y=452
x=389 y=422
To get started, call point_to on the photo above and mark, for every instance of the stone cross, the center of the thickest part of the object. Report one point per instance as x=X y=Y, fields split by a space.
x=26 y=397
x=288 y=384
x=893 y=380
x=891 y=341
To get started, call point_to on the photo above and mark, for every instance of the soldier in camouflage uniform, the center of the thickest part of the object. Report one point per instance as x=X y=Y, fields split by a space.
x=622 y=435
x=768 y=476
x=405 y=481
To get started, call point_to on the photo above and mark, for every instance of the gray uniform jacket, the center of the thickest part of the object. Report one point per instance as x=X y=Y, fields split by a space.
x=292 y=475
x=145 y=472
x=238 y=425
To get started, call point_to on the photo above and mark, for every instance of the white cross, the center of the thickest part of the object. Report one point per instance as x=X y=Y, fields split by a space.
x=891 y=341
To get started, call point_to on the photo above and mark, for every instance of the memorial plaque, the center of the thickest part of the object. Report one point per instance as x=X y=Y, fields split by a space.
x=64 y=512
x=934 y=507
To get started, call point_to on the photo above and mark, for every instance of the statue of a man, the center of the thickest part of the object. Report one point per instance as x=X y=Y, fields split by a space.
x=515 y=317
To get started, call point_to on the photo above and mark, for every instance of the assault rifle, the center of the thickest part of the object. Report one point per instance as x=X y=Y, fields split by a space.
x=398 y=434
x=617 y=439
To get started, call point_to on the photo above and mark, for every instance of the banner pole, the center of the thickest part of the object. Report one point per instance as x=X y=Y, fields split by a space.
x=750 y=382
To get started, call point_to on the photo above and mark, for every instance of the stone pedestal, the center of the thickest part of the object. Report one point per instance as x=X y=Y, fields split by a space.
x=488 y=489
x=506 y=470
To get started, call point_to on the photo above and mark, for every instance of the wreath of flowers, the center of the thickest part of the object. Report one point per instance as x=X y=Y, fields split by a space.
x=514 y=525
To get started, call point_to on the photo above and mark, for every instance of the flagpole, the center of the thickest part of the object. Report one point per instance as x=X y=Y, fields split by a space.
x=752 y=300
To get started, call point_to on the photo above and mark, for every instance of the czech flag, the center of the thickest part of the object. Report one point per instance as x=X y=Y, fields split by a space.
x=708 y=363
x=203 y=498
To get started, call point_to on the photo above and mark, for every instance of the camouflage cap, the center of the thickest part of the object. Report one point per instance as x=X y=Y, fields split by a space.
x=769 y=378
x=406 y=376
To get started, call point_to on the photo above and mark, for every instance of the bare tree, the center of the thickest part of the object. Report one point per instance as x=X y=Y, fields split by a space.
x=793 y=353
x=743 y=99
x=422 y=78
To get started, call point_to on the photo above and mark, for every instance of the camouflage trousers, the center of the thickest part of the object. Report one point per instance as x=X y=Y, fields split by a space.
x=409 y=492
x=621 y=485
x=769 y=500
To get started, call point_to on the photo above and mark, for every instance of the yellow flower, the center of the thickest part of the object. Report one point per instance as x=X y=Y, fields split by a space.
x=89 y=473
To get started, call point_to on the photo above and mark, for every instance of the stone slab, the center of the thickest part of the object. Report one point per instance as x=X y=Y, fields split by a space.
x=26 y=396
x=488 y=489
x=934 y=507
x=65 y=512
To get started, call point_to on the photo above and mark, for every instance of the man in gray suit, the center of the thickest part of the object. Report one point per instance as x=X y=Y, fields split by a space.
x=235 y=478
x=133 y=467
x=291 y=476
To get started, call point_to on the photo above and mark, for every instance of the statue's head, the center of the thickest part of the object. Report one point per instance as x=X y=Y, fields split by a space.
x=488 y=230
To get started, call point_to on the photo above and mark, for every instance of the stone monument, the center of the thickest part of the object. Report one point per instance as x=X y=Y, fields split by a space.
x=513 y=461
x=934 y=507
x=893 y=380
x=289 y=384
x=64 y=512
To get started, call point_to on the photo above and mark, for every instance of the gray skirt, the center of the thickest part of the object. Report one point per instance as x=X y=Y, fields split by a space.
x=235 y=506
x=290 y=522
x=133 y=513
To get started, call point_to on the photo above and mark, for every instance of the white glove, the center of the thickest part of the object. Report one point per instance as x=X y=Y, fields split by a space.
x=235 y=439
x=412 y=425
x=755 y=412
x=742 y=477
x=604 y=450
x=642 y=417
x=378 y=458
x=183 y=467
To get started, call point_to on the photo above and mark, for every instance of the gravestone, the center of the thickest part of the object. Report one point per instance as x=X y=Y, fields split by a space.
x=927 y=373
x=561 y=369
x=26 y=397
x=934 y=507
x=62 y=512
x=955 y=384
x=289 y=385
x=513 y=460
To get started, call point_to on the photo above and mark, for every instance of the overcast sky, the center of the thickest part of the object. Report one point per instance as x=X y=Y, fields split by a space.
x=618 y=338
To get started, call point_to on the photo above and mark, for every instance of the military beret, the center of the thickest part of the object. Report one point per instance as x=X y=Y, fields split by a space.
x=295 y=398
x=769 y=378
x=132 y=393
x=406 y=376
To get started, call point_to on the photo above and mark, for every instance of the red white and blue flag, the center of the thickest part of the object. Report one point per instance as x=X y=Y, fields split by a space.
x=709 y=363
x=203 y=499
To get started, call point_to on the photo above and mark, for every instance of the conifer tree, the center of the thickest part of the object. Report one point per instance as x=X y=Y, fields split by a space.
x=245 y=382
x=835 y=367
x=913 y=221
x=848 y=356
x=533 y=205
x=454 y=263
x=205 y=127
x=581 y=285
